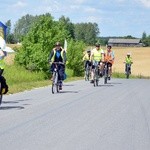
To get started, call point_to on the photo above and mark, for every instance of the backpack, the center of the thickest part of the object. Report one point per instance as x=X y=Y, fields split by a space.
x=4 y=86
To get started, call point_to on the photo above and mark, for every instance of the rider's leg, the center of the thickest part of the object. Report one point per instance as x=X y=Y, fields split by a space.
x=109 y=69
x=92 y=73
x=101 y=67
x=125 y=68
x=60 y=75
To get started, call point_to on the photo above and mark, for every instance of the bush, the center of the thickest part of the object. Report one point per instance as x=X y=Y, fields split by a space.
x=74 y=57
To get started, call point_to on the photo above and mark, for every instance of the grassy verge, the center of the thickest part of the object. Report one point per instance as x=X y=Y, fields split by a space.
x=122 y=75
x=20 y=79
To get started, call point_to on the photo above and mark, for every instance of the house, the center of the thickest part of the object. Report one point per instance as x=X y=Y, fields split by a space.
x=125 y=42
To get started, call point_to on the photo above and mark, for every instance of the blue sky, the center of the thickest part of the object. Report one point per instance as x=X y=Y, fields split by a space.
x=114 y=17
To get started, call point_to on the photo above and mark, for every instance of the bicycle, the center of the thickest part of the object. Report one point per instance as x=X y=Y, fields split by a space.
x=96 y=73
x=128 y=70
x=87 y=72
x=105 y=72
x=55 y=82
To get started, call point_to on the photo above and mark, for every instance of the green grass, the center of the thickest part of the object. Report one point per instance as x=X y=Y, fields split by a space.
x=122 y=75
x=19 y=79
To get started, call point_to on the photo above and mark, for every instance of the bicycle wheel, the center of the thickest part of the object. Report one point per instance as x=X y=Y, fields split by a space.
x=105 y=74
x=128 y=72
x=1 y=95
x=96 y=78
x=87 y=73
x=55 y=83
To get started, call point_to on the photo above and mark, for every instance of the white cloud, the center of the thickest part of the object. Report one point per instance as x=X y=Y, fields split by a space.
x=146 y=3
x=90 y=10
x=19 y=5
x=79 y=1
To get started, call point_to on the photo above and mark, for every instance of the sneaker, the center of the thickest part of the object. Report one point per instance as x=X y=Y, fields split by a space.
x=60 y=87
x=92 y=81
x=108 y=78
x=101 y=75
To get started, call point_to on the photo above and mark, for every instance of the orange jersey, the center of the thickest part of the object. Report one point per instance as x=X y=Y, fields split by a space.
x=109 y=57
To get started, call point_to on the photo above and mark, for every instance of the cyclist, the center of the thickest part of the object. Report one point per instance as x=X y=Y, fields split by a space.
x=97 y=56
x=109 y=58
x=58 y=54
x=2 y=65
x=128 y=61
x=86 y=58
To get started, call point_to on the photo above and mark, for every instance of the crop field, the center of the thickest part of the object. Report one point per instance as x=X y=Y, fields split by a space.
x=140 y=57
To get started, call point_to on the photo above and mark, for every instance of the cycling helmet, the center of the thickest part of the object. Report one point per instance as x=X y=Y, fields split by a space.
x=109 y=46
x=97 y=45
x=128 y=54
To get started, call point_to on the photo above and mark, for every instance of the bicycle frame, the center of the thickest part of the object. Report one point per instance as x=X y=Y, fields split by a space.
x=87 y=72
x=96 y=74
x=105 y=72
x=128 y=70
x=55 y=83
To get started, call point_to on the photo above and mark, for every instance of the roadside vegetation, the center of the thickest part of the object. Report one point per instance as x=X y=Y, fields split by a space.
x=29 y=68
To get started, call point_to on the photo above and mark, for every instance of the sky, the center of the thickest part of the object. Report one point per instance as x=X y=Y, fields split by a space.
x=114 y=17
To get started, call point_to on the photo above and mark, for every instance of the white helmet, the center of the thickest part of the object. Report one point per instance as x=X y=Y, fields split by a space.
x=128 y=54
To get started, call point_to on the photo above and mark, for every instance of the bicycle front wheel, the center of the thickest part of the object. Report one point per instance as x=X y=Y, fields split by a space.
x=55 y=87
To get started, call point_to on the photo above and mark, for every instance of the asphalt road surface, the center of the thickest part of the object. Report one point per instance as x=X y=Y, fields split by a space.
x=115 y=116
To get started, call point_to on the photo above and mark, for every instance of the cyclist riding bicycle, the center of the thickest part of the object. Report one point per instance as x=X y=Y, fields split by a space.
x=86 y=59
x=109 y=59
x=128 y=61
x=58 y=54
x=97 y=56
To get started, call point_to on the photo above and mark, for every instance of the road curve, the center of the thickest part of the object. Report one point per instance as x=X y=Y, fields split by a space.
x=115 y=116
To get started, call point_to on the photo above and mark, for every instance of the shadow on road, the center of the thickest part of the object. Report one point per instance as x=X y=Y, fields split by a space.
x=107 y=85
x=68 y=85
x=69 y=92
x=13 y=102
x=115 y=83
x=11 y=107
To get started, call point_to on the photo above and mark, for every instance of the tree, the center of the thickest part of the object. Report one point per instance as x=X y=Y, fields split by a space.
x=69 y=26
x=144 y=36
x=23 y=25
x=145 y=39
x=38 y=43
x=86 y=32
x=74 y=57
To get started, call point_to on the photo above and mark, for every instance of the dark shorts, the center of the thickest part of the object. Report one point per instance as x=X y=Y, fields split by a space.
x=61 y=71
x=87 y=63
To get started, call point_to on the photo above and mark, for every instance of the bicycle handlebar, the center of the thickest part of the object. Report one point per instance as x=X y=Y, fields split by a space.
x=58 y=63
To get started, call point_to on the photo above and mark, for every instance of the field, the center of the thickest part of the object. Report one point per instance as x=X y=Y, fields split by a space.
x=140 y=56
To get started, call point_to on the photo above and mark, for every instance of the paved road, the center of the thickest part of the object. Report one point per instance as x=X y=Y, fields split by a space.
x=82 y=117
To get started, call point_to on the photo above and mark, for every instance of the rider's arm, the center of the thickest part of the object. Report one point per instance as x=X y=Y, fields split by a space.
x=51 y=55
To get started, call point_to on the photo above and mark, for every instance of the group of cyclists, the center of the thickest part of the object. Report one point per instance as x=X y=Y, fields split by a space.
x=98 y=56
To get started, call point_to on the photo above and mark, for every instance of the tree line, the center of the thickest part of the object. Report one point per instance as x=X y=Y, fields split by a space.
x=87 y=32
